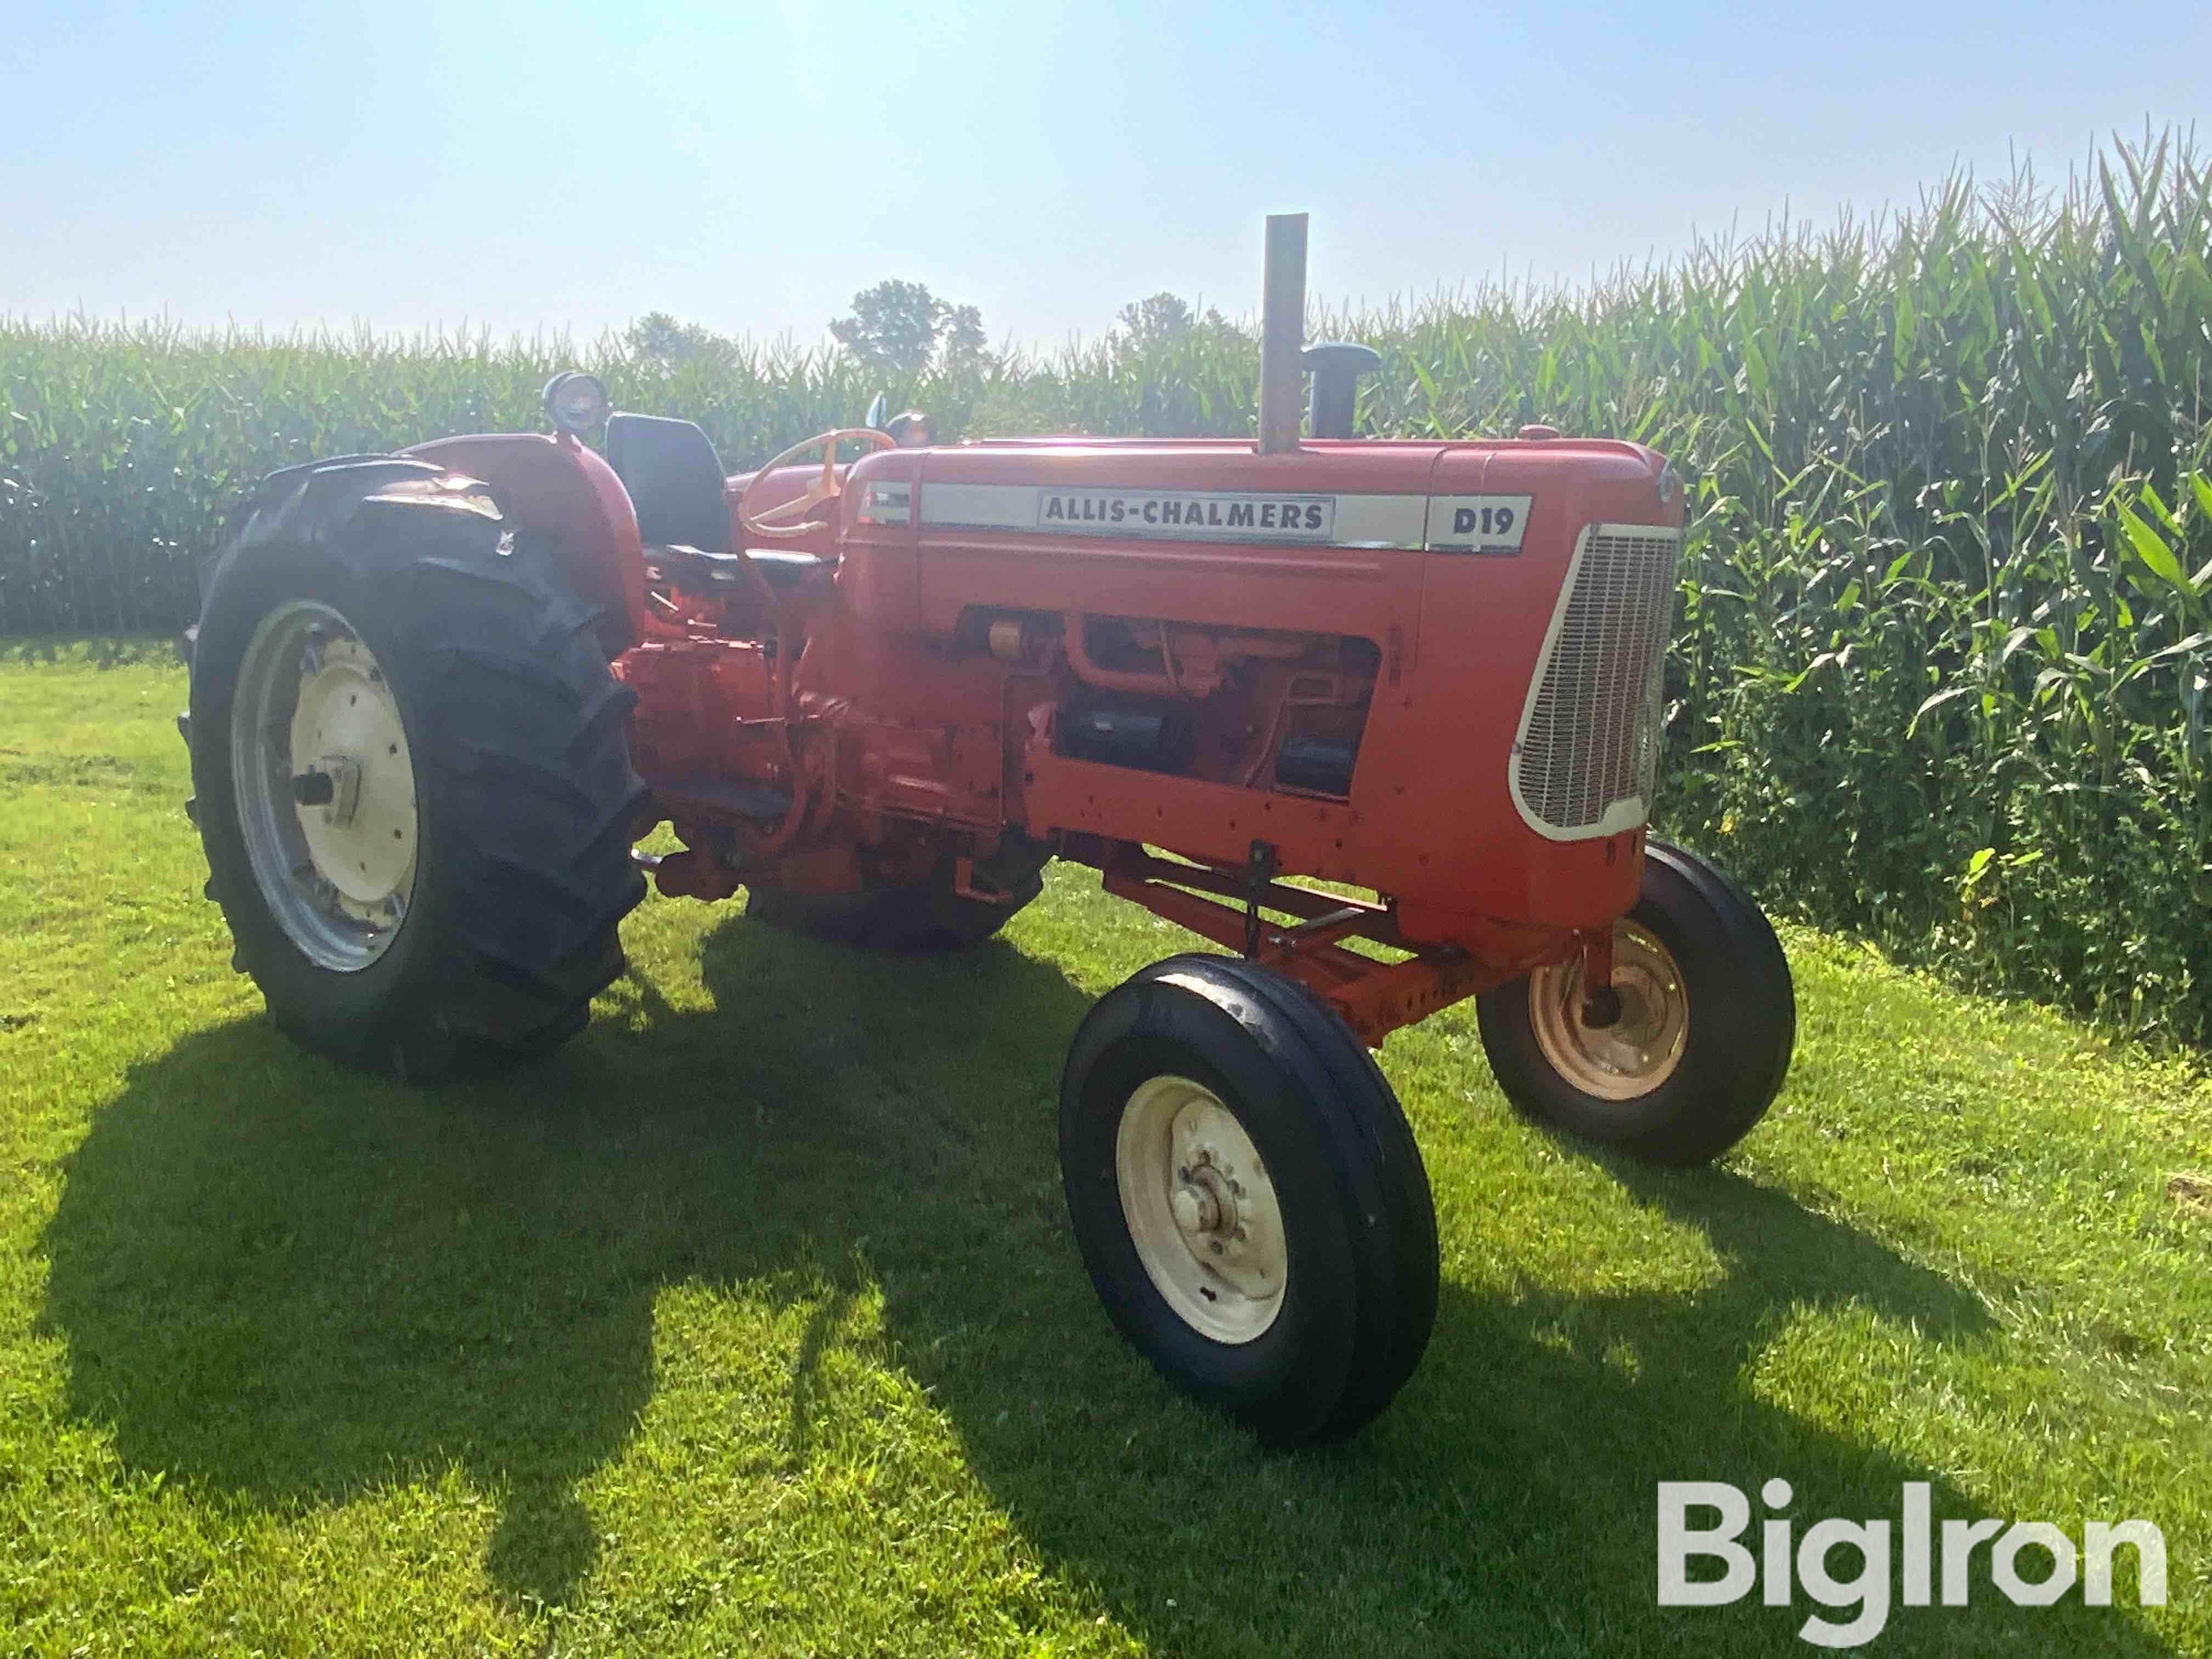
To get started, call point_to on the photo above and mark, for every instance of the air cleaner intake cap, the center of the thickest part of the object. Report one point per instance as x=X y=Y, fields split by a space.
x=1336 y=367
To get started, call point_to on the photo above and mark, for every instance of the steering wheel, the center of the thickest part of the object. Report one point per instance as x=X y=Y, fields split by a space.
x=787 y=519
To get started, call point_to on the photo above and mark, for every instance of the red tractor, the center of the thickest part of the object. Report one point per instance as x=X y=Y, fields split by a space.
x=437 y=697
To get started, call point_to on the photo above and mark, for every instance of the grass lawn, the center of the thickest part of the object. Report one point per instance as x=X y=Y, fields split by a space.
x=751 y=1321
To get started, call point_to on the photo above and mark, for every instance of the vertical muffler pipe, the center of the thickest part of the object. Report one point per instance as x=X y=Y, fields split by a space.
x=1283 y=334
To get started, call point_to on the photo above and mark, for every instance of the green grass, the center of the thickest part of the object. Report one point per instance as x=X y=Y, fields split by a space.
x=751 y=1322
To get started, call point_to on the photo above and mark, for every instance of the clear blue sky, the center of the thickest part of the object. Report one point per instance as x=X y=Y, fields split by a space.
x=749 y=166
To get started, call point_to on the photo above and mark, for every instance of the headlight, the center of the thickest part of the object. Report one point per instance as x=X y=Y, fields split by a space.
x=576 y=401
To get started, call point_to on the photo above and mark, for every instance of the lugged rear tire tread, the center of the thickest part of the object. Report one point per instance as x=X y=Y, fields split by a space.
x=519 y=737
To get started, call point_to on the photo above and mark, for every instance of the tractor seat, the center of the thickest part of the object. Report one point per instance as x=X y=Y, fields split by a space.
x=699 y=571
x=674 y=479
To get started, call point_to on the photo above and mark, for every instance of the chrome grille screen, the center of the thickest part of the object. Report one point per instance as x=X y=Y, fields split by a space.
x=1587 y=755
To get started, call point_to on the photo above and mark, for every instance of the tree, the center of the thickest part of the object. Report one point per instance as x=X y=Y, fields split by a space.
x=1166 y=319
x=893 y=326
x=1162 y=318
x=660 y=336
x=960 y=340
x=900 y=328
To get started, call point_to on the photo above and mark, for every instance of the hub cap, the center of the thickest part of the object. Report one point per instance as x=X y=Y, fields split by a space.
x=1638 y=1051
x=1201 y=1209
x=325 y=785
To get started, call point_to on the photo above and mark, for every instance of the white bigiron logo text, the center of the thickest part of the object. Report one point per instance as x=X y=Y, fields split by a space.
x=1928 y=1560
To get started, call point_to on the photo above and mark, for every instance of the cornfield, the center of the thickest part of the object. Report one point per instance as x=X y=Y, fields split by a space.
x=1945 y=629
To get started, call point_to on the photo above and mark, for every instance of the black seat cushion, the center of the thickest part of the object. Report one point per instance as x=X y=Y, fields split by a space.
x=674 y=479
x=701 y=571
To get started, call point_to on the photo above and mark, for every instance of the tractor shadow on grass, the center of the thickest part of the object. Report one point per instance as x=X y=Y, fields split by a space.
x=296 y=1287
x=282 y=1282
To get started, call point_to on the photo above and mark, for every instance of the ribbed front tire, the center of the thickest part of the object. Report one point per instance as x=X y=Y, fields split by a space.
x=1704 y=1022
x=1247 y=1197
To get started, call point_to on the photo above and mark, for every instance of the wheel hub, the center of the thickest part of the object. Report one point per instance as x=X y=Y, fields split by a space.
x=325 y=785
x=1636 y=1049
x=1201 y=1210
x=1197 y=1210
x=361 y=839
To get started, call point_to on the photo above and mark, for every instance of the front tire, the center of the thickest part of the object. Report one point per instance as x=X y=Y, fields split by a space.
x=411 y=772
x=1248 y=1197
x=1706 y=1023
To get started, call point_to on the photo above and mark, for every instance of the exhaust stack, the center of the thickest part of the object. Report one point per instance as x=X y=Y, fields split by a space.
x=1282 y=335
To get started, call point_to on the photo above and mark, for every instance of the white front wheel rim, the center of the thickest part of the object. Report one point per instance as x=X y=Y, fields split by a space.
x=1201 y=1209
x=313 y=704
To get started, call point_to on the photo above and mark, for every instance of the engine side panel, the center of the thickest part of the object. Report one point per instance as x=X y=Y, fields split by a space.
x=1397 y=544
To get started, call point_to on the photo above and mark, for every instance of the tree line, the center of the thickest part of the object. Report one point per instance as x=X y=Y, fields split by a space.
x=901 y=329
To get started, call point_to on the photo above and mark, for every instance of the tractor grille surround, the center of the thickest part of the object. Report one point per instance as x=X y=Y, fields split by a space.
x=1587 y=754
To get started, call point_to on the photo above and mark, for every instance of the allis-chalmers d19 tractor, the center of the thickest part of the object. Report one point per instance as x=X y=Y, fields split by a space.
x=438 y=695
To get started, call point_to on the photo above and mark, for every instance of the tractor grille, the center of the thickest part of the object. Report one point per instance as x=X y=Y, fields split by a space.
x=1588 y=750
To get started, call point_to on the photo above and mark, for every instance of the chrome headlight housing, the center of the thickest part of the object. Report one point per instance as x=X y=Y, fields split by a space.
x=576 y=401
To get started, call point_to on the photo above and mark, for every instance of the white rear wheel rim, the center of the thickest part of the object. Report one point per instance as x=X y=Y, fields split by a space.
x=1201 y=1209
x=1636 y=1053
x=338 y=877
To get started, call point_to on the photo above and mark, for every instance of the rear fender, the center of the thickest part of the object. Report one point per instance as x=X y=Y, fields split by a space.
x=567 y=494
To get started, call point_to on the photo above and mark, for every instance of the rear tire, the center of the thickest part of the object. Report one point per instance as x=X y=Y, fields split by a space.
x=1248 y=1197
x=1708 y=1023
x=498 y=759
